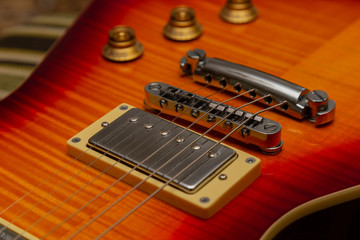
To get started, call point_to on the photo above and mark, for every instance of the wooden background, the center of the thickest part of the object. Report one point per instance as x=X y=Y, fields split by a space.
x=312 y=43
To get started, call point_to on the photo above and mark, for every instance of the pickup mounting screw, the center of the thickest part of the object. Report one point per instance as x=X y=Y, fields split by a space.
x=223 y=176
x=250 y=160
x=204 y=200
x=76 y=139
x=104 y=124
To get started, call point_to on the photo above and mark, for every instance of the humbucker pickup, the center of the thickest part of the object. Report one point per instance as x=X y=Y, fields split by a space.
x=301 y=103
x=148 y=152
x=261 y=132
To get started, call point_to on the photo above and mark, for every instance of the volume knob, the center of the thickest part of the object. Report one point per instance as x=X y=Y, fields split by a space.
x=182 y=25
x=122 y=45
x=238 y=11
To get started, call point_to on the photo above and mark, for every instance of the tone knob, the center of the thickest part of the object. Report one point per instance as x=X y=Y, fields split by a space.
x=122 y=45
x=182 y=25
x=238 y=11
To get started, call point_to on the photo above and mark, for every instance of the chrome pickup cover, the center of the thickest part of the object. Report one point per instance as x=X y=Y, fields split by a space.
x=223 y=184
x=301 y=102
x=157 y=145
x=261 y=132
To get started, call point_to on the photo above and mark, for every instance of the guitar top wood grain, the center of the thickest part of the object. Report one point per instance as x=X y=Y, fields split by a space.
x=312 y=43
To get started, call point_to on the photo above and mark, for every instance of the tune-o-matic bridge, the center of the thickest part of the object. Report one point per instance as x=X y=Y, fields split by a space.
x=301 y=102
x=260 y=131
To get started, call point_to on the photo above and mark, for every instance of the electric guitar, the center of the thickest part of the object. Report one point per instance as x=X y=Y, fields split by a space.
x=314 y=44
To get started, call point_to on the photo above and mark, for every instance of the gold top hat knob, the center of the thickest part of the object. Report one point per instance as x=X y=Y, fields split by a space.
x=122 y=45
x=238 y=11
x=182 y=25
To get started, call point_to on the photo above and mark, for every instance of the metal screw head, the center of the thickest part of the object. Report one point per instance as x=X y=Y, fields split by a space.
x=105 y=124
x=196 y=147
x=204 y=200
x=195 y=113
x=223 y=176
x=164 y=132
x=250 y=160
x=134 y=119
x=179 y=108
x=211 y=118
x=228 y=125
x=213 y=154
x=163 y=103
x=148 y=125
x=196 y=53
x=76 y=139
x=245 y=132
x=154 y=86
x=180 y=139
x=123 y=107
x=317 y=96
x=270 y=127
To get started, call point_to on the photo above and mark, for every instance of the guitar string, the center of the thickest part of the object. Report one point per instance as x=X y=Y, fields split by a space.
x=62 y=168
x=52 y=210
x=134 y=166
x=58 y=171
x=101 y=156
x=179 y=173
x=123 y=176
x=154 y=172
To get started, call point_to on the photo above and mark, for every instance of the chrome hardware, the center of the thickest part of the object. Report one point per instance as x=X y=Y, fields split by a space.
x=301 y=102
x=173 y=158
x=261 y=132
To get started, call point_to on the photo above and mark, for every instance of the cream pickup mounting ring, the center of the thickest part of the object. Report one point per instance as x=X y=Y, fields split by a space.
x=145 y=150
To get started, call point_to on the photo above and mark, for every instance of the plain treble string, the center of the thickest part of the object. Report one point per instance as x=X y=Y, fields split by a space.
x=118 y=180
x=51 y=177
x=178 y=174
x=91 y=181
x=154 y=172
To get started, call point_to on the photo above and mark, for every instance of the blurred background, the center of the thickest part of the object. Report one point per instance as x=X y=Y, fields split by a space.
x=28 y=29
x=13 y=12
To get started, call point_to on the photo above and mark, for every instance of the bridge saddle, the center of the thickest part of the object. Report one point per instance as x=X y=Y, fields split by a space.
x=260 y=131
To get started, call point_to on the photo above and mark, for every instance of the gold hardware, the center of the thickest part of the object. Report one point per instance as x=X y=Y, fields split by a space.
x=182 y=25
x=238 y=11
x=122 y=45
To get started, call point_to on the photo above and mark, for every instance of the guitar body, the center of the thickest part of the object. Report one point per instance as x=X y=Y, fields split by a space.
x=312 y=43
